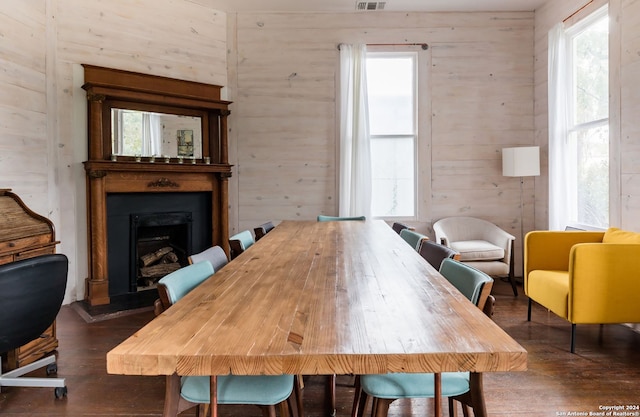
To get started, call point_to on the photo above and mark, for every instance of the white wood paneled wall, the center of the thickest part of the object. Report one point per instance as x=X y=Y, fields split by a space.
x=282 y=77
x=480 y=87
x=39 y=107
x=24 y=156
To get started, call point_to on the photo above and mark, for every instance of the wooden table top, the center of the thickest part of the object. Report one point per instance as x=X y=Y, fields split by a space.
x=320 y=298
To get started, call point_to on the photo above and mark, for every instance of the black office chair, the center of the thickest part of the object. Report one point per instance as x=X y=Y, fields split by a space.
x=31 y=294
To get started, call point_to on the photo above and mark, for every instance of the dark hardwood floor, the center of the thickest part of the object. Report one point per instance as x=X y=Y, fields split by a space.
x=604 y=371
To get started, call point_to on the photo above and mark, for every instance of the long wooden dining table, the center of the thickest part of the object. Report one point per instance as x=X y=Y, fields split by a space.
x=321 y=298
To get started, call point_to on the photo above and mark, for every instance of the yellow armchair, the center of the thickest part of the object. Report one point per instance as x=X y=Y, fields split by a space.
x=584 y=277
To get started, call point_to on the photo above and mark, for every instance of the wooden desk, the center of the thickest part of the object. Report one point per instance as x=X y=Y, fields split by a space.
x=318 y=298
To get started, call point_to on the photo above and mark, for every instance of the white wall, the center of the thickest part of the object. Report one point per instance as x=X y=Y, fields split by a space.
x=280 y=71
x=42 y=115
x=480 y=94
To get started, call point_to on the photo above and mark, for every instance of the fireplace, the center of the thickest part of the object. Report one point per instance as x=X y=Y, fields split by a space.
x=121 y=186
x=152 y=234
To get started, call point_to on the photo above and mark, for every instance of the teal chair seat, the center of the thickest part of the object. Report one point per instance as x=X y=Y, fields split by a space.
x=403 y=385
x=235 y=389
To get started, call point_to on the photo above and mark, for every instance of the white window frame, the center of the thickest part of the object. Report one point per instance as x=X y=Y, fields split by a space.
x=422 y=127
x=573 y=127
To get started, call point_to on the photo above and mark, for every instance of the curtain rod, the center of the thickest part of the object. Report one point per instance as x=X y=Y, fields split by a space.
x=577 y=11
x=424 y=46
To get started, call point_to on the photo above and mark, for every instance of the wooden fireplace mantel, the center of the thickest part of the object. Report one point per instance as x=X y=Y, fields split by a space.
x=107 y=88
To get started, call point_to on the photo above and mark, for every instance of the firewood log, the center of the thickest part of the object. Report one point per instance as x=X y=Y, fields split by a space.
x=169 y=258
x=151 y=258
x=159 y=270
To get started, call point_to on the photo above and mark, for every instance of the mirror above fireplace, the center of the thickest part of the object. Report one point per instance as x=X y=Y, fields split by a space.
x=154 y=134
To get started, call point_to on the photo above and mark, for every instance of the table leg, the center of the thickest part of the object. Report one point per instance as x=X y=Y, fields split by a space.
x=437 y=394
x=213 y=395
x=477 y=394
x=171 y=396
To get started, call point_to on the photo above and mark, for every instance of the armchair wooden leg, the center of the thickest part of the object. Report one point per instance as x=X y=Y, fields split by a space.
x=573 y=338
x=529 y=310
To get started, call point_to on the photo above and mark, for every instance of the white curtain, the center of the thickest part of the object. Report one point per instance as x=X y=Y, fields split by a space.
x=151 y=134
x=355 y=150
x=559 y=160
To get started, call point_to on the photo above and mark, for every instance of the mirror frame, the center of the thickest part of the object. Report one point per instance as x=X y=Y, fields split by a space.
x=110 y=88
x=110 y=105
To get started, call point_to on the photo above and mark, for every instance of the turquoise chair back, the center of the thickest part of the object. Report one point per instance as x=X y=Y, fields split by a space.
x=413 y=238
x=245 y=238
x=214 y=254
x=468 y=280
x=323 y=218
x=179 y=283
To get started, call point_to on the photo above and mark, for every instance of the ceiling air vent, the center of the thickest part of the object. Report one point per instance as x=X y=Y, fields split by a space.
x=370 y=5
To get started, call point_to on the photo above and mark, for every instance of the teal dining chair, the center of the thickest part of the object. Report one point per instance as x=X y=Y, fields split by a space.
x=177 y=284
x=215 y=255
x=413 y=238
x=323 y=218
x=456 y=386
x=240 y=242
x=195 y=391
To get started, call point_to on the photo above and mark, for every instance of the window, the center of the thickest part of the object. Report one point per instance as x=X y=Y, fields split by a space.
x=584 y=153
x=391 y=84
x=588 y=133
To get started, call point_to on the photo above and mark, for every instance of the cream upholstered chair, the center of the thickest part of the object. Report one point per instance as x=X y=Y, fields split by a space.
x=481 y=244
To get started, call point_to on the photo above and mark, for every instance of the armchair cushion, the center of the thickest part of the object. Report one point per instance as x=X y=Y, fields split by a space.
x=477 y=250
x=615 y=235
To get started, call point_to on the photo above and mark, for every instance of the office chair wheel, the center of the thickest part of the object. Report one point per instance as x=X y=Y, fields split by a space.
x=52 y=368
x=60 y=392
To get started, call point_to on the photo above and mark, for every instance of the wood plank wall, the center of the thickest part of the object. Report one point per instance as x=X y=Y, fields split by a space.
x=480 y=88
x=281 y=72
x=24 y=159
x=39 y=103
